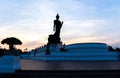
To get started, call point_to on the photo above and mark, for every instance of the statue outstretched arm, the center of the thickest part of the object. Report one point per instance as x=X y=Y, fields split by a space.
x=54 y=27
x=62 y=22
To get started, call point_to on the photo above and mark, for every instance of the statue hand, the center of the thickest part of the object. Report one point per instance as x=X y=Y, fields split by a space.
x=62 y=22
x=53 y=29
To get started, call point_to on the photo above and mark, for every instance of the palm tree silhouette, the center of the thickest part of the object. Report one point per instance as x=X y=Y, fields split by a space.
x=11 y=41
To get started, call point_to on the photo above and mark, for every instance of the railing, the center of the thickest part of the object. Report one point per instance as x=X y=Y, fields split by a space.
x=16 y=53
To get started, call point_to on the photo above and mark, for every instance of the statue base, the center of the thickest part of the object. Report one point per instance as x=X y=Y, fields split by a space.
x=53 y=39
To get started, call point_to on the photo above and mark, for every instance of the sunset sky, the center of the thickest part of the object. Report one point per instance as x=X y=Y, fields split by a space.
x=31 y=21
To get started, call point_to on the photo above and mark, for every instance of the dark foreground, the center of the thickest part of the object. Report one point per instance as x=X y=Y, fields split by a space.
x=65 y=74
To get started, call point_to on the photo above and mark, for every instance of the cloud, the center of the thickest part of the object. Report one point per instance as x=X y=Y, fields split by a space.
x=32 y=20
x=32 y=44
x=91 y=31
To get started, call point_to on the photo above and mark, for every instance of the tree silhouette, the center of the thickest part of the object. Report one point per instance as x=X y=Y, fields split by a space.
x=117 y=49
x=11 y=42
x=110 y=48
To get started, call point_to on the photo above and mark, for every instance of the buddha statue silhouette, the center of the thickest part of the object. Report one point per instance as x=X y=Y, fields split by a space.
x=57 y=26
x=55 y=38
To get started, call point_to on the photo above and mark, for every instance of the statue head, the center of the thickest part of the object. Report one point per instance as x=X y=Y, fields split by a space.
x=57 y=16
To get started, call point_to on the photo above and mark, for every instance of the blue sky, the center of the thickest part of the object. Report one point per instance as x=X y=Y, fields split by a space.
x=84 y=21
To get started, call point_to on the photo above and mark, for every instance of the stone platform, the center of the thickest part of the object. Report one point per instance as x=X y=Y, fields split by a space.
x=77 y=52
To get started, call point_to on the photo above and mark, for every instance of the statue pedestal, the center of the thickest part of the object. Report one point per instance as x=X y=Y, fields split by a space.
x=53 y=39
